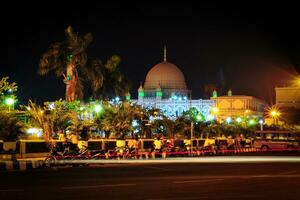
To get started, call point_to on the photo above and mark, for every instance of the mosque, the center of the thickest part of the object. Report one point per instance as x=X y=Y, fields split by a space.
x=165 y=88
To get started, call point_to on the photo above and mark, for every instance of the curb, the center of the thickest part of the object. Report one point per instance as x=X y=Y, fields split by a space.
x=20 y=165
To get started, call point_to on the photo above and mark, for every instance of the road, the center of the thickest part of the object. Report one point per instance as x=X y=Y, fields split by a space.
x=156 y=182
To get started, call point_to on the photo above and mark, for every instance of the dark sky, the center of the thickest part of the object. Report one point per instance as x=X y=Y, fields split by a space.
x=249 y=48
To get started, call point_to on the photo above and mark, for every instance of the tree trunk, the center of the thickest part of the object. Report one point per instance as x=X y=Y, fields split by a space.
x=71 y=81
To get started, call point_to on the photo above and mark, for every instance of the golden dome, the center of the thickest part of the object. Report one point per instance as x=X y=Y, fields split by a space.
x=166 y=76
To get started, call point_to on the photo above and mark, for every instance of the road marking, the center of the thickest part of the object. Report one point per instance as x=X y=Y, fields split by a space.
x=204 y=177
x=288 y=172
x=244 y=196
x=12 y=190
x=96 y=186
x=179 y=198
x=197 y=181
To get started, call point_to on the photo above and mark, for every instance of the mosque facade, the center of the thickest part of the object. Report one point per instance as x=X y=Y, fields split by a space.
x=165 y=88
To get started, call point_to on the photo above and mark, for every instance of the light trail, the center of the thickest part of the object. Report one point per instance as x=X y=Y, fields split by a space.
x=223 y=159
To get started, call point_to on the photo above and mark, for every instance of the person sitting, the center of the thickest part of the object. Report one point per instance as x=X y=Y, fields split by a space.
x=157 y=144
x=120 y=145
x=187 y=144
x=74 y=142
x=131 y=144
x=61 y=136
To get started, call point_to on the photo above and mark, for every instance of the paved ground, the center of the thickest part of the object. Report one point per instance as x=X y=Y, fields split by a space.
x=156 y=182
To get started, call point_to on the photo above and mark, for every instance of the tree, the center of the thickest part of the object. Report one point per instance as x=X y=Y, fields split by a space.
x=106 y=80
x=10 y=127
x=116 y=119
x=164 y=126
x=66 y=58
x=6 y=91
x=52 y=116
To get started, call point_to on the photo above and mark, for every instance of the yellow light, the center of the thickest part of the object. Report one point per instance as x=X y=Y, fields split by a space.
x=273 y=113
x=298 y=81
x=215 y=110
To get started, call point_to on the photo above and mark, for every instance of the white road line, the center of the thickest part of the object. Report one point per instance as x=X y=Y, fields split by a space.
x=96 y=186
x=12 y=190
x=197 y=181
x=288 y=172
x=179 y=198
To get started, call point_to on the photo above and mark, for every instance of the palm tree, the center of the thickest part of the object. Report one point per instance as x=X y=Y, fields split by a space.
x=50 y=120
x=6 y=91
x=116 y=120
x=38 y=118
x=164 y=126
x=65 y=59
x=10 y=127
x=182 y=126
x=106 y=80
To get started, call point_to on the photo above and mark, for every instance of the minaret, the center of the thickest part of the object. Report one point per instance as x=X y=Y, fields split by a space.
x=128 y=96
x=214 y=94
x=141 y=93
x=229 y=93
x=165 y=53
x=158 y=93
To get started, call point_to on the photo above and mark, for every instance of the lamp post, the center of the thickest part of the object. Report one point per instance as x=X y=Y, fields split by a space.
x=192 y=123
x=9 y=101
x=215 y=112
x=97 y=109
x=192 y=132
x=261 y=122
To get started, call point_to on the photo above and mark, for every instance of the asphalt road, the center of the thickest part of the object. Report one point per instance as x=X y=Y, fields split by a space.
x=156 y=182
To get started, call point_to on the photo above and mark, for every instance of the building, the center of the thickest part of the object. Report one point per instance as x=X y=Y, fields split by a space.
x=287 y=97
x=165 y=88
x=239 y=106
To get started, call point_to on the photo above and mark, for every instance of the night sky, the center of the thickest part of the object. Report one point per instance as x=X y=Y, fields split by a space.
x=249 y=48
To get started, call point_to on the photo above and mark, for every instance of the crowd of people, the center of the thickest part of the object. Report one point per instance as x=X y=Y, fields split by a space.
x=69 y=144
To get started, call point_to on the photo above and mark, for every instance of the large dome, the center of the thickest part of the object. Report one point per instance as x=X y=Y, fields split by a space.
x=166 y=76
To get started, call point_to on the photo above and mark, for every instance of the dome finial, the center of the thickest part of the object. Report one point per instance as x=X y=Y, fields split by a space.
x=165 y=53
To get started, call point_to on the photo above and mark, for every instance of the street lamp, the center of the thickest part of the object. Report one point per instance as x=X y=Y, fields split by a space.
x=296 y=82
x=251 y=122
x=228 y=120
x=215 y=111
x=98 y=108
x=238 y=120
x=10 y=102
x=274 y=113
